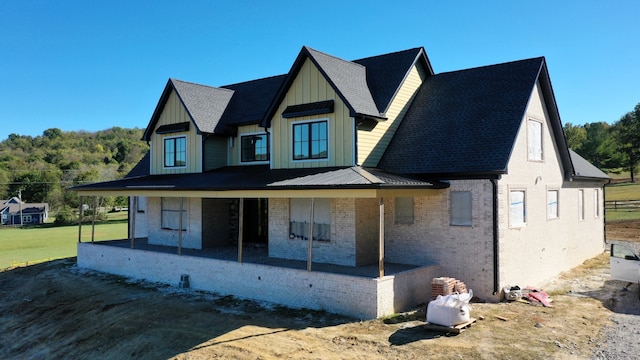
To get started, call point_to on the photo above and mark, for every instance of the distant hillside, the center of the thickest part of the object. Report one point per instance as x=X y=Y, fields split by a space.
x=43 y=167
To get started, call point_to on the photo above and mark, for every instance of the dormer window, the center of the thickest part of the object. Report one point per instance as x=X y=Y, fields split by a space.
x=175 y=152
x=254 y=147
x=310 y=140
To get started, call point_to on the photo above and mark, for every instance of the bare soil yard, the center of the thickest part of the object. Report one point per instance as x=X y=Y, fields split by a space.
x=628 y=230
x=55 y=310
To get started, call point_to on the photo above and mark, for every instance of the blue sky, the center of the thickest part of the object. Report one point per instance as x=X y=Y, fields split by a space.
x=91 y=65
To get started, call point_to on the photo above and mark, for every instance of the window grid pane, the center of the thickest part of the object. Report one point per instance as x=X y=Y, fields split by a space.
x=310 y=141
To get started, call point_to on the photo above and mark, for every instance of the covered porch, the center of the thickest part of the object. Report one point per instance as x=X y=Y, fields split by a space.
x=345 y=273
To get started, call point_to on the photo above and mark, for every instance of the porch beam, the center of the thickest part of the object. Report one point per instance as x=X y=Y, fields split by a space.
x=381 y=239
x=228 y=194
x=310 y=247
x=240 y=228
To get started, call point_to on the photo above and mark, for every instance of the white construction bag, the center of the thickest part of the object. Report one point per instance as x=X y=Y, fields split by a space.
x=449 y=310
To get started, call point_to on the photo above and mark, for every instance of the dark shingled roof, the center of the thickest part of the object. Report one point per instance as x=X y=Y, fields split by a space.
x=205 y=105
x=385 y=73
x=142 y=168
x=464 y=122
x=584 y=169
x=260 y=177
x=249 y=103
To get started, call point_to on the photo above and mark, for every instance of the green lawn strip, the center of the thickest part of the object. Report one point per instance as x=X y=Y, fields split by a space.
x=622 y=191
x=36 y=244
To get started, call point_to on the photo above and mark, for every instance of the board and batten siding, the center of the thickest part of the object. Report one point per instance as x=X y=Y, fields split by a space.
x=372 y=144
x=234 y=151
x=173 y=113
x=311 y=86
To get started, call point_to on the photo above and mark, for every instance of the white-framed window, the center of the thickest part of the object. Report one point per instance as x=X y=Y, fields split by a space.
x=460 y=207
x=310 y=140
x=596 y=203
x=170 y=213
x=404 y=210
x=552 y=204
x=517 y=208
x=254 y=147
x=299 y=212
x=26 y=219
x=581 y=204
x=175 y=151
x=534 y=140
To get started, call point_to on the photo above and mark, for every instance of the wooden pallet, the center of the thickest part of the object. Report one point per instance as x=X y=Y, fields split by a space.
x=456 y=329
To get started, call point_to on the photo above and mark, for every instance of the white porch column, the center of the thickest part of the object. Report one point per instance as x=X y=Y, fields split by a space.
x=79 y=221
x=240 y=227
x=133 y=219
x=381 y=240
x=310 y=248
x=93 y=219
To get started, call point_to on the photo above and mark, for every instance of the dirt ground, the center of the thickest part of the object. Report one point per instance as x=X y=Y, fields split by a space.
x=55 y=310
x=624 y=230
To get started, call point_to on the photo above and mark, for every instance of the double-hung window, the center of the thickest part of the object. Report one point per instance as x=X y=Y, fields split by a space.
x=254 y=147
x=170 y=211
x=310 y=140
x=517 y=208
x=552 y=204
x=534 y=140
x=299 y=219
x=175 y=151
x=461 y=202
x=404 y=210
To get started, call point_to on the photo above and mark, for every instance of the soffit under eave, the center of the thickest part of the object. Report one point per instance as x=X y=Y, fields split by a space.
x=278 y=194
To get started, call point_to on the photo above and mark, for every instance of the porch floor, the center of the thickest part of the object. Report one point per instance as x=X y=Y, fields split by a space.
x=258 y=254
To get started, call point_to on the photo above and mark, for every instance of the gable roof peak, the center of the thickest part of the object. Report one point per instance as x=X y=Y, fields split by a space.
x=204 y=104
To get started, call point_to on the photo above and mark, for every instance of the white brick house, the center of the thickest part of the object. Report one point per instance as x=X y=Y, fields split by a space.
x=411 y=175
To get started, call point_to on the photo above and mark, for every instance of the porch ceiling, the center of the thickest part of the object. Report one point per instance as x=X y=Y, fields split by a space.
x=262 y=182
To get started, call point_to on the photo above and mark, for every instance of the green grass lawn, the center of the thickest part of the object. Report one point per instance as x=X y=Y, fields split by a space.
x=36 y=244
x=622 y=191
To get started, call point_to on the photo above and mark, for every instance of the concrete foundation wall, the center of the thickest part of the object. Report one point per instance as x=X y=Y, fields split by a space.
x=359 y=297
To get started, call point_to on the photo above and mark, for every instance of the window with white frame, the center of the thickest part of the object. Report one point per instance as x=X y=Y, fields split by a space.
x=404 y=210
x=310 y=140
x=596 y=203
x=175 y=151
x=170 y=213
x=254 y=147
x=517 y=208
x=299 y=217
x=534 y=140
x=460 y=207
x=552 y=204
x=581 y=204
x=26 y=219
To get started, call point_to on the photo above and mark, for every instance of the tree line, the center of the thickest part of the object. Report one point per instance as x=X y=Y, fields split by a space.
x=612 y=148
x=42 y=168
